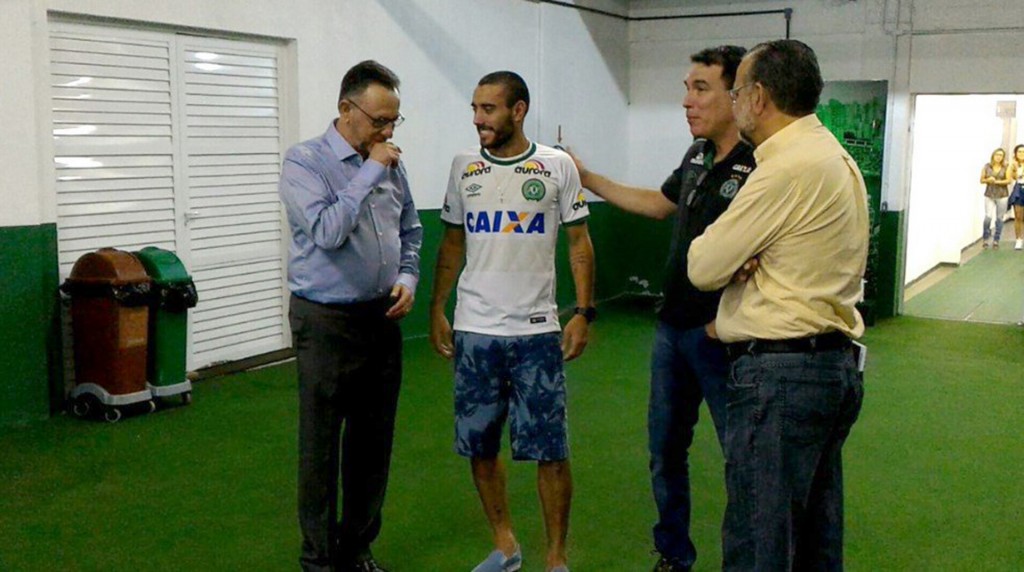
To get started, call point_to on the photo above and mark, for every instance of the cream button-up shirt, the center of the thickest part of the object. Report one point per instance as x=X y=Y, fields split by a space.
x=803 y=213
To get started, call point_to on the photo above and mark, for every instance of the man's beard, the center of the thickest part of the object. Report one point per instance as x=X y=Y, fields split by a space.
x=501 y=137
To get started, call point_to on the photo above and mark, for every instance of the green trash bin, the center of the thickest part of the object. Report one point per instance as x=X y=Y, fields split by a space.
x=173 y=294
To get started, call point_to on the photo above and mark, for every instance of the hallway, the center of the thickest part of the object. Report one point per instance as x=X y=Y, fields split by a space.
x=987 y=287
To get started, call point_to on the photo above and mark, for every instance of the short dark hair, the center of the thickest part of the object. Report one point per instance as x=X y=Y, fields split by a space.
x=360 y=76
x=728 y=57
x=515 y=87
x=789 y=70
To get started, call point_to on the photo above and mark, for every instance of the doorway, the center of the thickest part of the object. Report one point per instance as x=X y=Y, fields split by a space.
x=948 y=273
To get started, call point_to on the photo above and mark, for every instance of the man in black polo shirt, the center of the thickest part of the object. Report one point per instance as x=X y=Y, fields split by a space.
x=687 y=365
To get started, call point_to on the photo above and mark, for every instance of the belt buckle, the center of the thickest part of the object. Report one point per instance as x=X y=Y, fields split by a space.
x=744 y=348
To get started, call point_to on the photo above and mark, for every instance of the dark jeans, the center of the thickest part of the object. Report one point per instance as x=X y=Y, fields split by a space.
x=350 y=368
x=788 y=416
x=687 y=367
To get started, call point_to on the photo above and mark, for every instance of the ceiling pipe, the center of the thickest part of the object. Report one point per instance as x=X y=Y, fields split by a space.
x=786 y=12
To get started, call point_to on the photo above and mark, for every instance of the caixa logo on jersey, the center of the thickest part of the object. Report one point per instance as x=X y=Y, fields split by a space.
x=475 y=169
x=533 y=167
x=505 y=222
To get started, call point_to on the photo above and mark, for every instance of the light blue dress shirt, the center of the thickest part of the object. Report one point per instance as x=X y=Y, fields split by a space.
x=355 y=230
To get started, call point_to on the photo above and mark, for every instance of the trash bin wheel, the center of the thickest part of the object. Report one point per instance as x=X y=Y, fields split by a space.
x=186 y=398
x=112 y=415
x=80 y=406
x=151 y=404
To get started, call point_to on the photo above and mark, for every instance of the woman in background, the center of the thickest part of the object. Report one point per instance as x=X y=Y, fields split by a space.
x=995 y=176
x=1017 y=196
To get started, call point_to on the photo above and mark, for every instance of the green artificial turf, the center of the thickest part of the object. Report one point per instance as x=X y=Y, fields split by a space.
x=987 y=288
x=932 y=468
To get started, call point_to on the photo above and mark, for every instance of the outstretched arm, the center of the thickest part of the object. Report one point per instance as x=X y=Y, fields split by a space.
x=646 y=202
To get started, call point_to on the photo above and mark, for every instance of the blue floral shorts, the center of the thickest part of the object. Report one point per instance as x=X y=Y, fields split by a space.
x=520 y=378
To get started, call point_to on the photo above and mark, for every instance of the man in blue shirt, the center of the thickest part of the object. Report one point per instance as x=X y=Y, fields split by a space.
x=353 y=269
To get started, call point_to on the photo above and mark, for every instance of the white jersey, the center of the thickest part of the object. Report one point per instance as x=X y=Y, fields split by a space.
x=510 y=209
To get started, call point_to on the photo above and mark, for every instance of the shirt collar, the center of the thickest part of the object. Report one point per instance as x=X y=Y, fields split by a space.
x=708 y=147
x=338 y=144
x=708 y=151
x=782 y=138
x=510 y=160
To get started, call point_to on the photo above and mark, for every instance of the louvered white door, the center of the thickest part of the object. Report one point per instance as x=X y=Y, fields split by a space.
x=231 y=160
x=113 y=144
x=174 y=141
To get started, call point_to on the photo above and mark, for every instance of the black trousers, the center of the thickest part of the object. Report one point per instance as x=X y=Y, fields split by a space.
x=350 y=369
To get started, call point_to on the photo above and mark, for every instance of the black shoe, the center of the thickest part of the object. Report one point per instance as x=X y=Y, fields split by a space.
x=368 y=565
x=668 y=565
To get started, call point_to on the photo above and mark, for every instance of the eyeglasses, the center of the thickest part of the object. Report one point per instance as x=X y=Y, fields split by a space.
x=379 y=122
x=735 y=92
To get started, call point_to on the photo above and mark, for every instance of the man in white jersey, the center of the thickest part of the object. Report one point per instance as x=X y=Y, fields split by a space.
x=504 y=204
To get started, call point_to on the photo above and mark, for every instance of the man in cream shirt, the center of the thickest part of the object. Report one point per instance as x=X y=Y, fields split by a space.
x=791 y=251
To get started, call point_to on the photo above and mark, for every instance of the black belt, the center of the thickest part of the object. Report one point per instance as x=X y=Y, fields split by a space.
x=819 y=343
x=375 y=307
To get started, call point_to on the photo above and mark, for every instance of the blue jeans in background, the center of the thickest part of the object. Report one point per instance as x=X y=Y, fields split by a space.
x=995 y=209
x=687 y=367
x=788 y=416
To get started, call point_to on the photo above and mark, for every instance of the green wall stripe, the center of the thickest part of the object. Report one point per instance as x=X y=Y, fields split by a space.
x=630 y=256
x=630 y=253
x=28 y=323
x=891 y=246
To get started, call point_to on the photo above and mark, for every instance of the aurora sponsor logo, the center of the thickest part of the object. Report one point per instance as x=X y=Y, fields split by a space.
x=533 y=167
x=505 y=222
x=581 y=201
x=476 y=168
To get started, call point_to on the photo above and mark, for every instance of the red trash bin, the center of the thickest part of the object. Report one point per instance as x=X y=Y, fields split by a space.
x=110 y=293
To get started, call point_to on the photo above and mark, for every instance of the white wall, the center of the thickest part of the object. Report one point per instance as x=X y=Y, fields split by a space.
x=846 y=37
x=20 y=191
x=586 y=92
x=615 y=88
x=954 y=136
x=575 y=63
x=919 y=46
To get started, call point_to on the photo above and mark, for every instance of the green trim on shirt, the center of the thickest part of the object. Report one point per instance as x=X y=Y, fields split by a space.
x=510 y=160
x=709 y=155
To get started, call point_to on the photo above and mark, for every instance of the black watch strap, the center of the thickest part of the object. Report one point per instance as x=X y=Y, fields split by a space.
x=589 y=313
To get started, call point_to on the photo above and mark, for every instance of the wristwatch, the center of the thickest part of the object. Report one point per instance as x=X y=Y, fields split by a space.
x=589 y=313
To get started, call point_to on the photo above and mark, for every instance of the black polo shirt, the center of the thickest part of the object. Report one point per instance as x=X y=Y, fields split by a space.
x=703 y=190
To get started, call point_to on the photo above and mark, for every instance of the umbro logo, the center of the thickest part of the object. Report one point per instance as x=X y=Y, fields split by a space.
x=473 y=190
